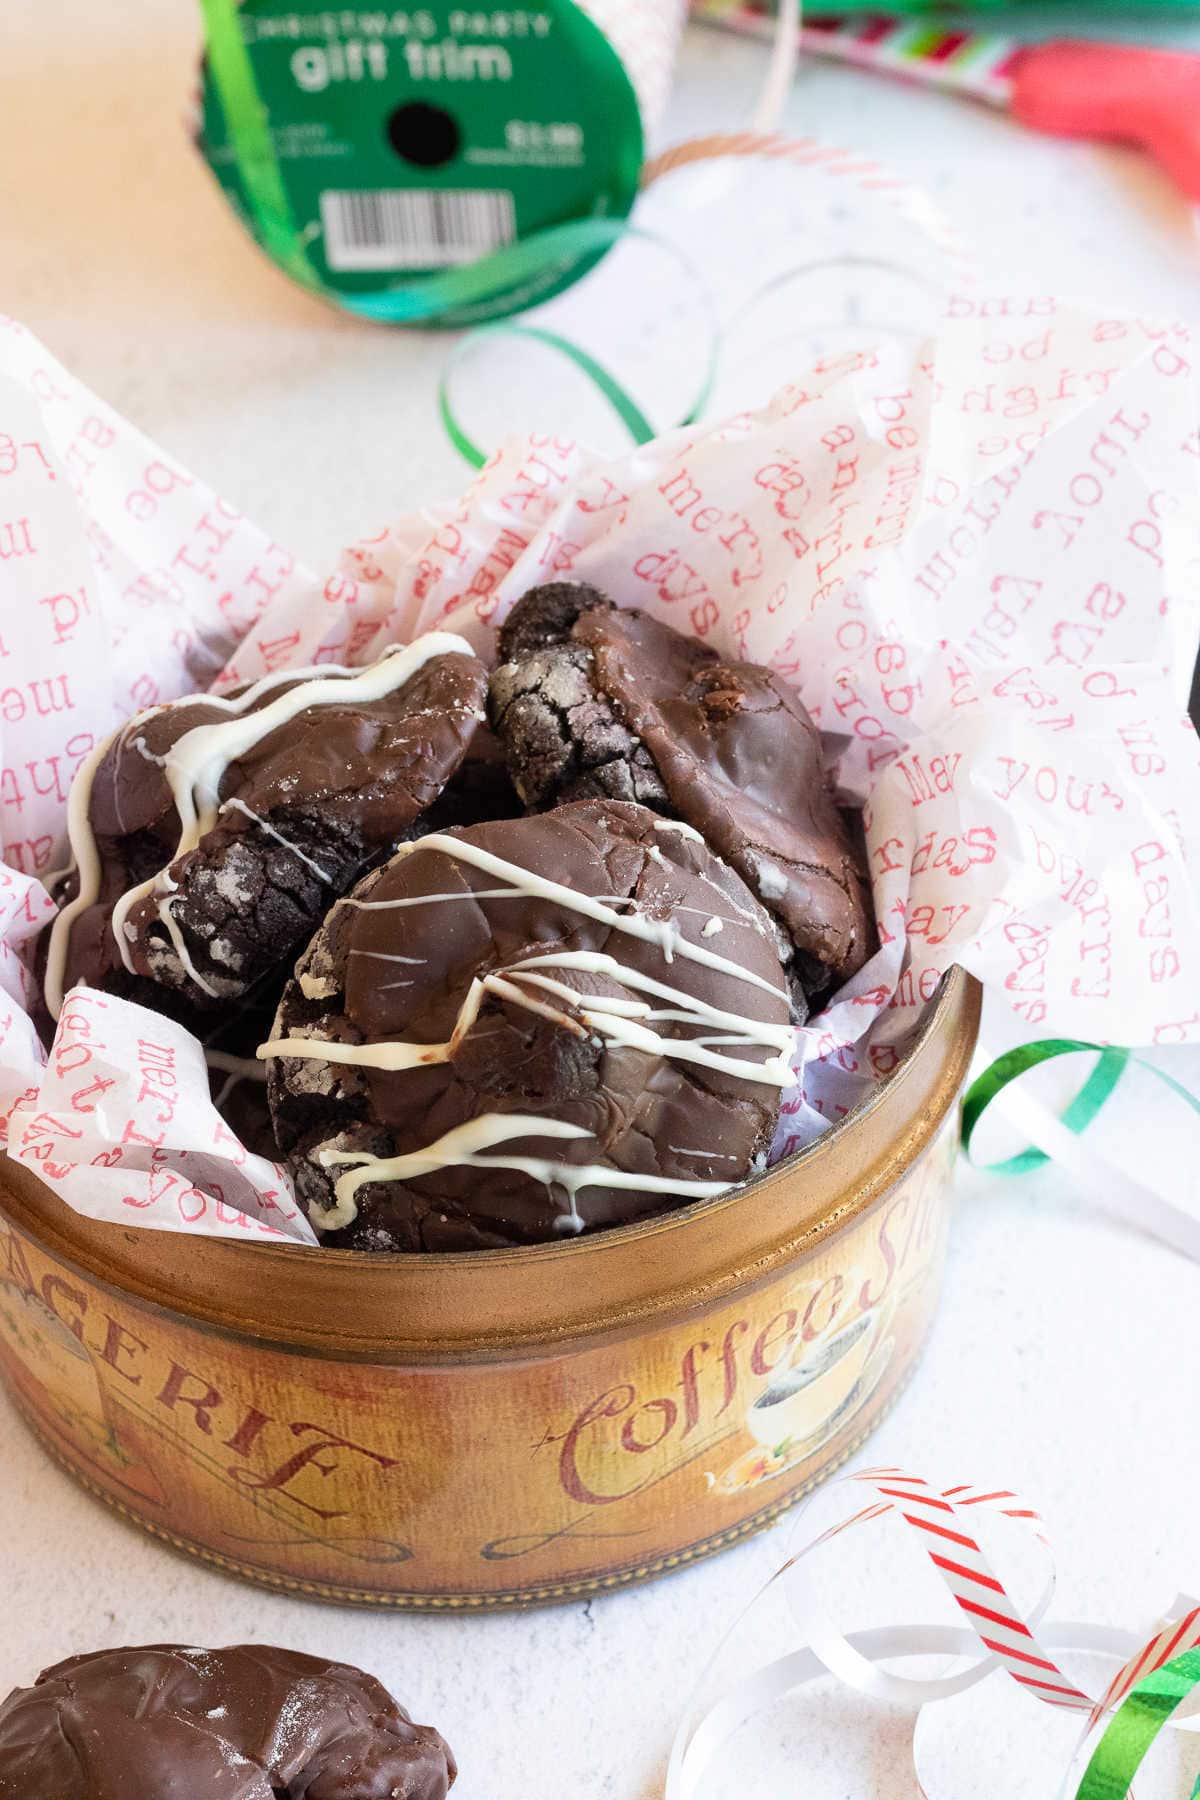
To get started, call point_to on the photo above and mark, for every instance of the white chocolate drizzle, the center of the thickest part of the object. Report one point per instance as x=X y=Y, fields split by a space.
x=708 y=1155
x=616 y=1019
x=662 y=932
x=463 y=1146
x=264 y=825
x=388 y=956
x=516 y=996
x=627 y=1021
x=194 y=768
x=393 y=956
x=178 y=944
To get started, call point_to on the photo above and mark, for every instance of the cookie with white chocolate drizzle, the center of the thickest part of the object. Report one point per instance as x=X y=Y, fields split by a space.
x=210 y=836
x=596 y=699
x=529 y=1028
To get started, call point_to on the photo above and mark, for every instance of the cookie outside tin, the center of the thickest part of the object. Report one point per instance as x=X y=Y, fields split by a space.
x=502 y=1427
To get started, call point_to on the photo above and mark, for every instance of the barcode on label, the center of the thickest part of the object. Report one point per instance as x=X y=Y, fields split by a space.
x=414 y=228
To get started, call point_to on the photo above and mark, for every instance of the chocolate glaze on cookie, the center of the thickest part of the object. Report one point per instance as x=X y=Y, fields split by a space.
x=594 y=699
x=247 y=1723
x=211 y=835
x=480 y=789
x=530 y=1027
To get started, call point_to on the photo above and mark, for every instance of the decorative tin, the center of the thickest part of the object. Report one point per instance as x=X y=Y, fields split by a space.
x=501 y=1428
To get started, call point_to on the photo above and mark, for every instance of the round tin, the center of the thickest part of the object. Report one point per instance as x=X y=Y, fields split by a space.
x=506 y=1427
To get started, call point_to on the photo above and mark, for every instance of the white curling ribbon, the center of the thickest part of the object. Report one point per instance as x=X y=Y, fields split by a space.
x=1023 y=1643
x=693 y=1757
x=940 y=1520
x=1144 y=1205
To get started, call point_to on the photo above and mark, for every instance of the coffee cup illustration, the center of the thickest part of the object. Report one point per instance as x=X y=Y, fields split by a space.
x=806 y=1394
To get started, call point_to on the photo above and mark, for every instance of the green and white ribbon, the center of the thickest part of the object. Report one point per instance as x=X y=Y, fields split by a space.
x=1116 y=1191
x=1127 y=1740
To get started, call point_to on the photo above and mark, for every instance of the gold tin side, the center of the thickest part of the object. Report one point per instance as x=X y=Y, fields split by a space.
x=623 y=1428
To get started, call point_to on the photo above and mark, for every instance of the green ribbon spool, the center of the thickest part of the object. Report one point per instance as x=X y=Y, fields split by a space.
x=239 y=140
x=280 y=132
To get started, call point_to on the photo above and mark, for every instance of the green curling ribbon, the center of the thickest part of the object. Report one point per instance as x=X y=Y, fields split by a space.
x=250 y=133
x=1113 y=1059
x=626 y=408
x=1135 y=1725
x=1015 y=1063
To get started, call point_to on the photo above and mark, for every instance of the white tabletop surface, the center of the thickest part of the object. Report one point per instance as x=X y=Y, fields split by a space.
x=1064 y=1359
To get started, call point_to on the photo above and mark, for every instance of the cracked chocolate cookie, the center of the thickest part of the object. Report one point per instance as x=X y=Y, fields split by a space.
x=247 y=1723
x=591 y=699
x=529 y=1028
x=210 y=836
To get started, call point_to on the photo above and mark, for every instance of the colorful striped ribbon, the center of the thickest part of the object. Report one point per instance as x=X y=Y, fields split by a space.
x=969 y=62
x=1141 y=1698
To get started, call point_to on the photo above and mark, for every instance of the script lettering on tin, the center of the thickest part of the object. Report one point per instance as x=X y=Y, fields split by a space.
x=624 y=1439
x=298 y=1460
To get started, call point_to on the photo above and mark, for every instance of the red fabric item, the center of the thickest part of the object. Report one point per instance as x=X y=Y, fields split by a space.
x=1137 y=96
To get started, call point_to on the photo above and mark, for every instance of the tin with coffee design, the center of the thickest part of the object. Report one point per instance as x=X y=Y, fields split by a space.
x=503 y=1427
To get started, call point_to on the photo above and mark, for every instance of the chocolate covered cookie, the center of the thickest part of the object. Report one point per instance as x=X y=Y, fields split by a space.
x=479 y=790
x=210 y=836
x=596 y=700
x=247 y=1723
x=530 y=1027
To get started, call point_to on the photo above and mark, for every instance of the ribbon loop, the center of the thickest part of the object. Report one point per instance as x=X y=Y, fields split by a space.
x=1155 y=1677
x=1123 y=1748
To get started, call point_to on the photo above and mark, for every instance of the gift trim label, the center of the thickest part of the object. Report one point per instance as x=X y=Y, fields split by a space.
x=415 y=140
